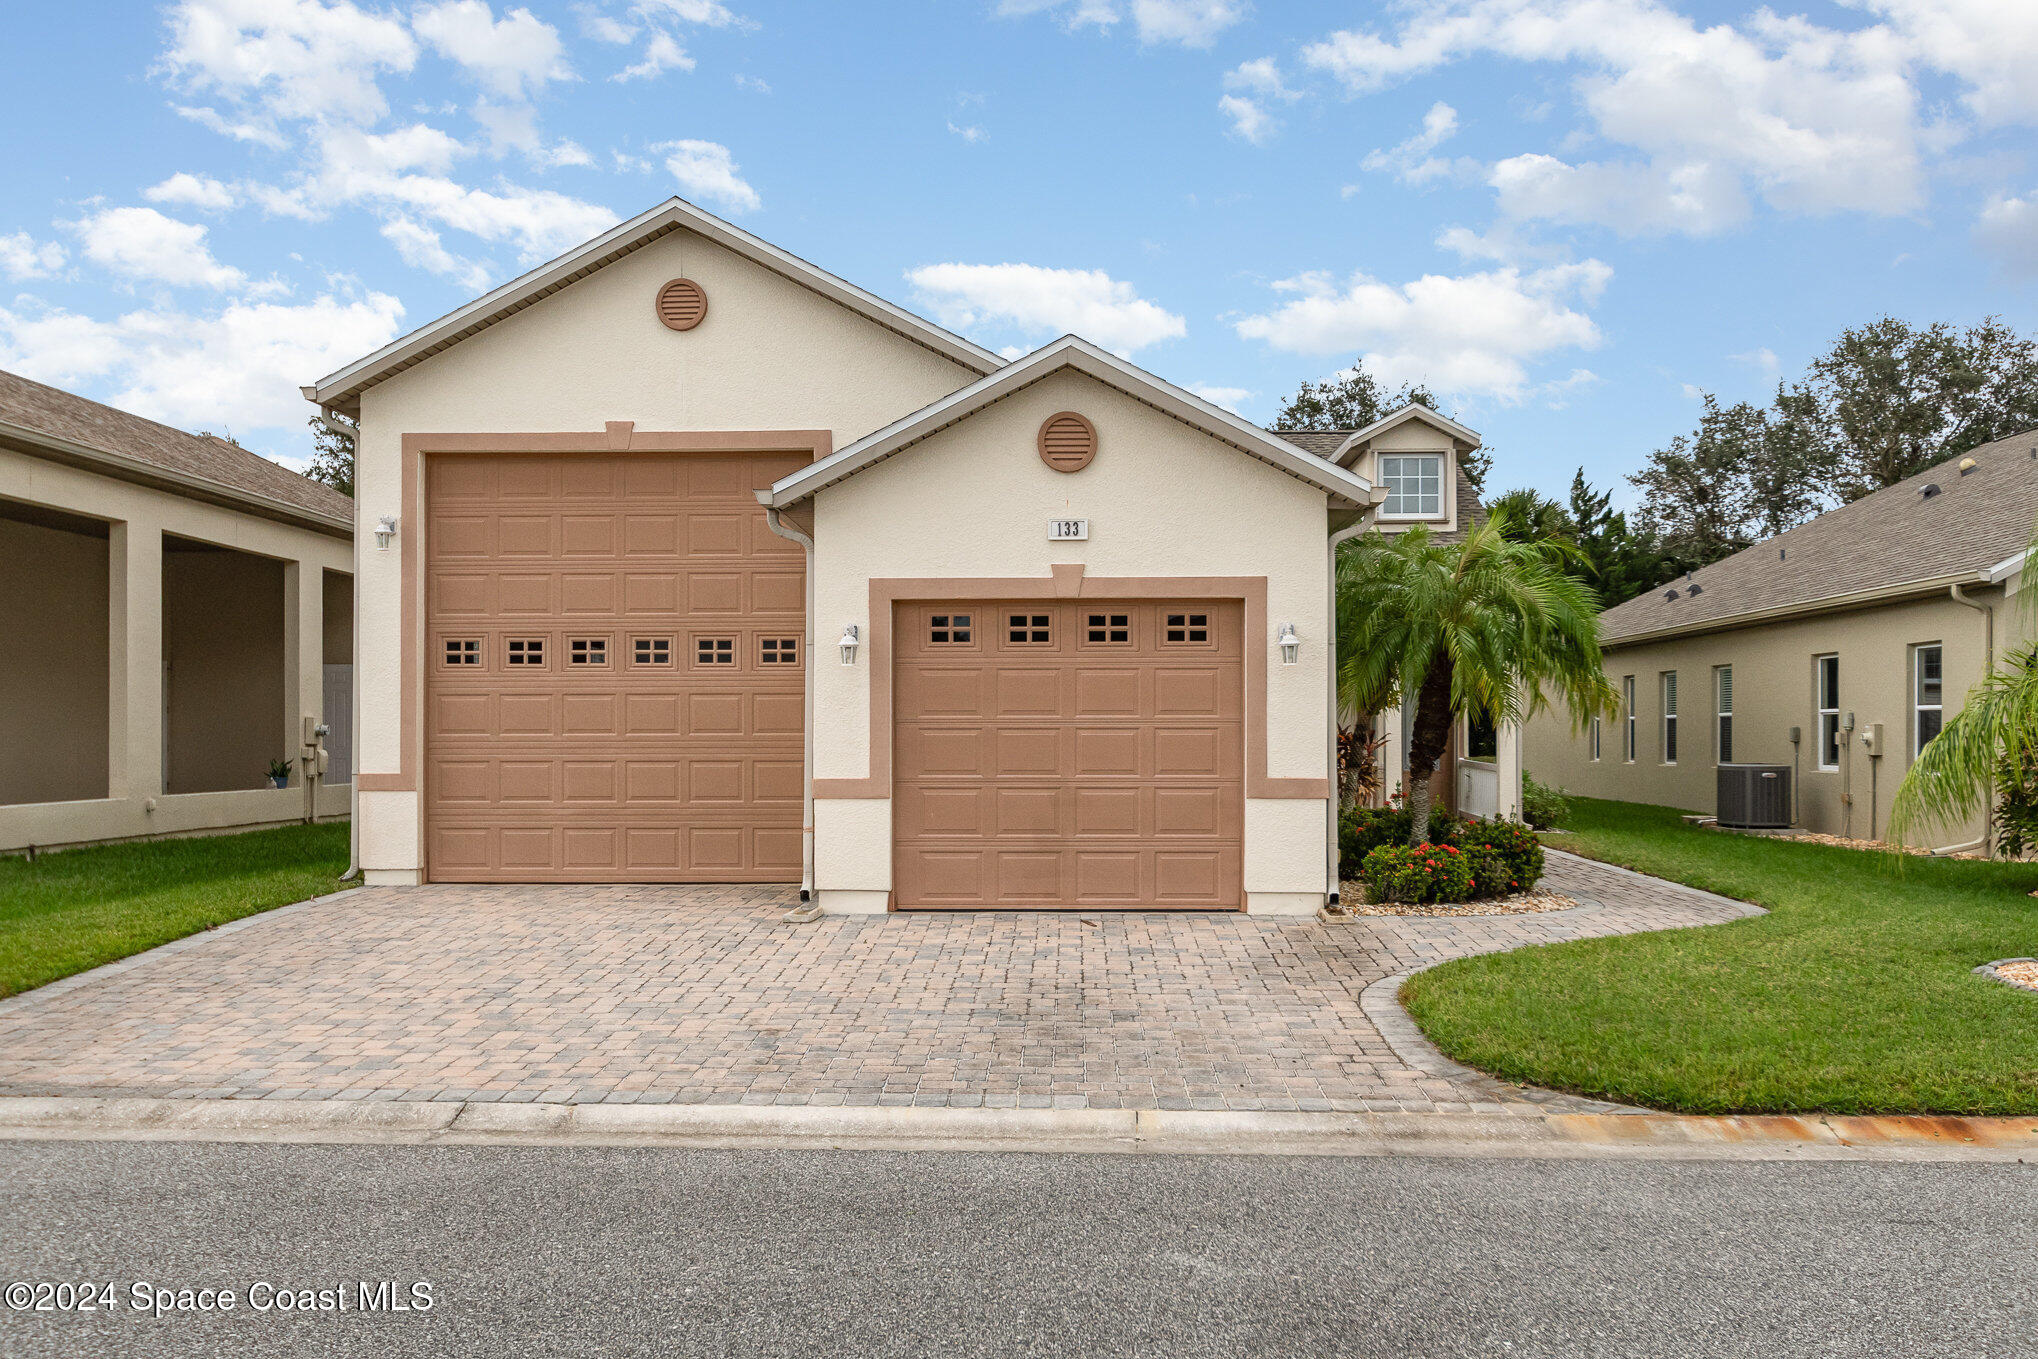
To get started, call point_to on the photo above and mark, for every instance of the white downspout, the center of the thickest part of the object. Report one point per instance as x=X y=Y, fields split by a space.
x=1331 y=892
x=332 y=420
x=809 y=909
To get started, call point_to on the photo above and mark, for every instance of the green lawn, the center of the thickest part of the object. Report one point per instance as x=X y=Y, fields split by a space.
x=1854 y=995
x=80 y=908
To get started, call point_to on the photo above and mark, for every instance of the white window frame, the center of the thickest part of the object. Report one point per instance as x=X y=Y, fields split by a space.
x=1436 y=460
x=1918 y=705
x=1723 y=714
x=1627 y=693
x=1666 y=684
x=1826 y=709
x=1595 y=740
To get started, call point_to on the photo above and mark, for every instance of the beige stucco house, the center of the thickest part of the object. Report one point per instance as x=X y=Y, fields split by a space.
x=178 y=613
x=702 y=564
x=1837 y=649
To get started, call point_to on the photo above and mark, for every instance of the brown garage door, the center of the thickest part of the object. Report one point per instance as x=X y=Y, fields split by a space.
x=613 y=671
x=1069 y=755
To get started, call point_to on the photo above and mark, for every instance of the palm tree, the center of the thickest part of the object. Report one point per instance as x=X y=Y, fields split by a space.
x=1995 y=729
x=1532 y=516
x=1489 y=620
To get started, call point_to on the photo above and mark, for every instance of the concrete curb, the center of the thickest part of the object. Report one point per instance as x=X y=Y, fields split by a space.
x=1531 y=1134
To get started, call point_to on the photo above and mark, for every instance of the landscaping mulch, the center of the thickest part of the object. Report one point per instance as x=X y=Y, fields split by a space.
x=1353 y=896
x=2020 y=972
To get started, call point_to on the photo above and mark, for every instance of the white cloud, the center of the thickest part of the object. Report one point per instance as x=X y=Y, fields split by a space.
x=1262 y=76
x=1472 y=334
x=1231 y=398
x=706 y=170
x=419 y=246
x=192 y=191
x=1191 y=23
x=23 y=257
x=236 y=368
x=514 y=56
x=141 y=243
x=514 y=127
x=662 y=52
x=1763 y=360
x=286 y=60
x=2008 y=230
x=1249 y=119
x=1986 y=45
x=706 y=13
x=752 y=84
x=971 y=134
x=1807 y=118
x=1411 y=161
x=1044 y=303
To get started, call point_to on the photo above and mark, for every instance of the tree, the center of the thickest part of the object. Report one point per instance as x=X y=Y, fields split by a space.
x=1529 y=516
x=1616 y=561
x=1355 y=399
x=1885 y=402
x=332 y=458
x=1488 y=621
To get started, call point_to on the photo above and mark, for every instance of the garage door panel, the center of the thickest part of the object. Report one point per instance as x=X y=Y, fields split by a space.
x=577 y=739
x=1080 y=760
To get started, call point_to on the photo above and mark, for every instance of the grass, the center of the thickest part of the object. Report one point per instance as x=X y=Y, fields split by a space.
x=1854 y=995
x=80 y=908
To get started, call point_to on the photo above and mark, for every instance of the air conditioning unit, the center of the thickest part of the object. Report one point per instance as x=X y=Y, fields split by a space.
x=1754 y=796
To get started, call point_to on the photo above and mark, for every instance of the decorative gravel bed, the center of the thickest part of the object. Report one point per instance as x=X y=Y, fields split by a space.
x=1923 y=851
x=1353 y=896
x=2019 y=972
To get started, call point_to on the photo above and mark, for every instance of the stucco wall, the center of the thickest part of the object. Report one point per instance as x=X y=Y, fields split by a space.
x=223 y=650
x=770 y=355
x=1162 y=500
x=1774 y=690
x=132 y=800
x=52 y=664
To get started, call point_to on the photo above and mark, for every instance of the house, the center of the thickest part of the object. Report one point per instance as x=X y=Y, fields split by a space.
x=1415 y=455
x=1837 y=649
x=178 y=614
x=705 y=565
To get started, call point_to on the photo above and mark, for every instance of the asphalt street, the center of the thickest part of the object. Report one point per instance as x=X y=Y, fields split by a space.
x=623 y=1251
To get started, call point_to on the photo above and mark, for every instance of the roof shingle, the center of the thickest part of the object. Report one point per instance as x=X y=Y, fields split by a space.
x=64 y=415
x=1887 y=540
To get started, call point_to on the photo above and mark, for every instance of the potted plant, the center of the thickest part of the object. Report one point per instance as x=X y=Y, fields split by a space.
x=279 y=773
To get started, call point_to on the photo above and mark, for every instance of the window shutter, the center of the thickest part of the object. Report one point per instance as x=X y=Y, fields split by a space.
x=1726 y=688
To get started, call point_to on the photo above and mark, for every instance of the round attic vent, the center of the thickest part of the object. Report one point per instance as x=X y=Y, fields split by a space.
x=681 y=304
x=1067 y=442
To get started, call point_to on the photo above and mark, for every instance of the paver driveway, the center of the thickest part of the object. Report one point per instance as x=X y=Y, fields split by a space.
x=700 y=995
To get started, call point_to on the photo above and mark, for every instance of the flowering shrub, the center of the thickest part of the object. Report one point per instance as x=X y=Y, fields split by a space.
x=1517 y=846
x=1365 y=829
x=1490 y=875
x=1417 y=873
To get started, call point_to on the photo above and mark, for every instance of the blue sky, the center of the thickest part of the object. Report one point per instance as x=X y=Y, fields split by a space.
x=1566 y=216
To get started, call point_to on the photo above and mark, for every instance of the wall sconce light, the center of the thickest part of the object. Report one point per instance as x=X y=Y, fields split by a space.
x=384 y=531
x=1291 y=645
x=848 y=644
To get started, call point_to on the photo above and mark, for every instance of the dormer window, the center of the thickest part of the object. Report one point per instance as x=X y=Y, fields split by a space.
x=1415 y=485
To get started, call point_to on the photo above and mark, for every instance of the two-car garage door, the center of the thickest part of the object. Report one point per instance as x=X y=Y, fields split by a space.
x=613 y=692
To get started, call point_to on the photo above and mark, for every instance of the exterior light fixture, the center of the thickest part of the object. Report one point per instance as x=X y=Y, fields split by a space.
x=1291 y=645
x=848 y=644
x=384 y=531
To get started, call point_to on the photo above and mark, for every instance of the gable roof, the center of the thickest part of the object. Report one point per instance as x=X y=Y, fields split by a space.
x=1326 y=443
x=66 y=427
x=1974 y=529
x=1414 y=410
x=342 y=390
x=1066 y=353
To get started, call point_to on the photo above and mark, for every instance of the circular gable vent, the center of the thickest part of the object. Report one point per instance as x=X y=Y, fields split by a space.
x=682 y=304
x=1067 y=442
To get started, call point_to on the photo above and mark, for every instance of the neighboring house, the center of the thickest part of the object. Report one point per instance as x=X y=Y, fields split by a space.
x=706 y=565
x=176 y=609
x=1838 y=648
x=1415 y=456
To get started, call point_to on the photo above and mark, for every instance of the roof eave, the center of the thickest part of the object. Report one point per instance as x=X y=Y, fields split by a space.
x=1068 y=351
x=341 y=389
x=1466 y=438
x=36 y=443
x=1881 y=594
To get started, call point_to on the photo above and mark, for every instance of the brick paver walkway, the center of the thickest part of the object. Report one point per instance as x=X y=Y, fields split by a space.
x=700 y=995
